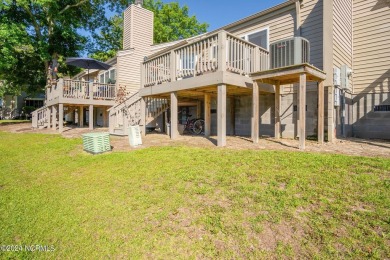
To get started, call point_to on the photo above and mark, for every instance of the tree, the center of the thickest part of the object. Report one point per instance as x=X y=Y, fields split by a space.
x=171 y=22
x=33 y=32
x=109 y=40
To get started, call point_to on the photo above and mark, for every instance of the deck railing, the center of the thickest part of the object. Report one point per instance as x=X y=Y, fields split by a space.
x=128 y=112
x=39 y=117
x=158 y=70
x=219 y=51
x=197 y=58
x=103 y=91
x=76 y=89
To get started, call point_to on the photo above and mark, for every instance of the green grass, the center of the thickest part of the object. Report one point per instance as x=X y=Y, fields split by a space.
x=8 y=122
x=181 y=202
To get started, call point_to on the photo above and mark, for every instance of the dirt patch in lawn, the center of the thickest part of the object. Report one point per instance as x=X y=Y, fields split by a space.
x=348 y=146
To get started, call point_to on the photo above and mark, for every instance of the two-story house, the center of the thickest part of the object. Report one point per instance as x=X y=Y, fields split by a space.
x=241 y=79
x=219 y=70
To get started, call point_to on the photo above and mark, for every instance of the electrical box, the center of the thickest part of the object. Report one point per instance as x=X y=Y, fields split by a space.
x=336 y=77
x=345 y=76
x=336 y=97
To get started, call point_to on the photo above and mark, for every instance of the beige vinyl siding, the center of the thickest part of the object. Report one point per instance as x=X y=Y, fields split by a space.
x=129 y=74
x=312 y=29
x=371 y=42
x=127 y=28
x=280 y=24
x=342 y=33
x=137 y=42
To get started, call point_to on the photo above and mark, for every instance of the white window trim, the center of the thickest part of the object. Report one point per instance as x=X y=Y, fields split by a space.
x=245 y=36
x=104 y=74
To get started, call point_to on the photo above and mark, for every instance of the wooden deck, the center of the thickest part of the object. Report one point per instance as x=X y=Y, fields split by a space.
x=75 y=92
x=300 y=73
x=193 y=67
x=74 y=95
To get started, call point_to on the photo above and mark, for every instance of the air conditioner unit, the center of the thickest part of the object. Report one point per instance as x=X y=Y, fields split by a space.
x=289 y=52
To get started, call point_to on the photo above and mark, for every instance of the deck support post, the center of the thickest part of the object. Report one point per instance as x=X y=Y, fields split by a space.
x=232 y=116
x=331 y=128
x=48 y=115
x=174 y=116
x=143 y=117
x=54 y=117
x=90 y=115
x=207 y=114
x=111 y=122
x=61 y=118
x=321 y=112
x=277 y=111
x=90 y=90
x=255 y=112
x=221 y=112
x=198 y=109
x=302 y=111
x=81 y=116
x=104 y=117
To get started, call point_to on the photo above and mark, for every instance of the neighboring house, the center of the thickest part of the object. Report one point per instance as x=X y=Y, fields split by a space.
x=72 y=100
x=348 y=40
x=11 y=107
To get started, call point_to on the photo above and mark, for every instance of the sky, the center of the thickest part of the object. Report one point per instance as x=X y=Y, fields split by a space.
x=218 y=13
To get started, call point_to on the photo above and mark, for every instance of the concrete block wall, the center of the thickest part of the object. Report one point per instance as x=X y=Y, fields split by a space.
x=288 y=116
x=368 y=123
x=229 y=128
x=243 y=113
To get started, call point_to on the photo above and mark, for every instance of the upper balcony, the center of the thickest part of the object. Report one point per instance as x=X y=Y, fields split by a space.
x=219 y=58
x=80 y=92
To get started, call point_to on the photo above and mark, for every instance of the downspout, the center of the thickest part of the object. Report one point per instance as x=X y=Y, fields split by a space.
x=297 y=33
x=298 y=21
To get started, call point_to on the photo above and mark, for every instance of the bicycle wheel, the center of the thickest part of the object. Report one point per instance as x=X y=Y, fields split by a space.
x=198 y=126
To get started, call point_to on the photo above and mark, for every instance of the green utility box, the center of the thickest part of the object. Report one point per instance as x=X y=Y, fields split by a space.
x=96 y=143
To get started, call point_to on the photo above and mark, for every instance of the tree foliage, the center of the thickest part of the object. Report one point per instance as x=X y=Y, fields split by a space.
x=171 y=22
x=32 y=32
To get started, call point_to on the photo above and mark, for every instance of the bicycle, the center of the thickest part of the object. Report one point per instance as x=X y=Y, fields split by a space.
x=195 y=126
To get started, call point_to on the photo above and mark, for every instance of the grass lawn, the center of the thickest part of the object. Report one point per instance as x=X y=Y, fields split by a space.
x=8 y=122
x=181 y=202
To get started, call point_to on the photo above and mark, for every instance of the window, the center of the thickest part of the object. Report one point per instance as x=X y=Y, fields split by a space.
x=108 y=77
x=187 y=62
x=112 y=74
x=260 y=38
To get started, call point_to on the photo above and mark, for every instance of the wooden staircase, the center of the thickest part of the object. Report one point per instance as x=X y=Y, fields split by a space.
x=128 y=113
